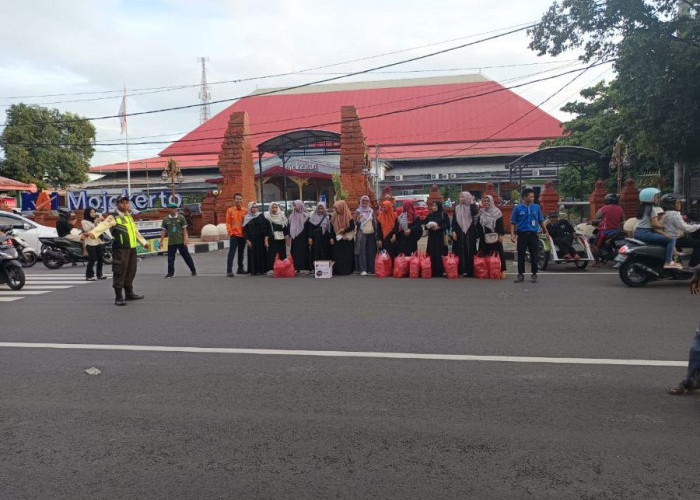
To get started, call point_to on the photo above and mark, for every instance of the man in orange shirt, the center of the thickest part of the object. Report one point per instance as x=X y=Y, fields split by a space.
x=234 y=226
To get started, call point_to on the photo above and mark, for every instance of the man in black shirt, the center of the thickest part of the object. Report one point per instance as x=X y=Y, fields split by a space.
x=562 y=232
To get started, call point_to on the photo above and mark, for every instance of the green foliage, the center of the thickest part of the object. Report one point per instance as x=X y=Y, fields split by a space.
x=46 y=147
x=340 y=193
x=514 y=196
x=577 y=181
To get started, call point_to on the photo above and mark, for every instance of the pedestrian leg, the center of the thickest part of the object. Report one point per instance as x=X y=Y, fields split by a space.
x=172 y=249
x=521 y=248
x=534 y=247
x=232 y=246
x=99 y=253
x=185 y=252
x=92 y=257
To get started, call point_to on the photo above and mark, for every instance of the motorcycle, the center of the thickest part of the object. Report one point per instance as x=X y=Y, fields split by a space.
x=611 y=245
x=11 y=271
x=639 y=263
x=27 y=256
x=59 y=251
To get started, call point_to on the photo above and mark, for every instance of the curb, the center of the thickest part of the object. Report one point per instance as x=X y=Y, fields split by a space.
x=211 y=246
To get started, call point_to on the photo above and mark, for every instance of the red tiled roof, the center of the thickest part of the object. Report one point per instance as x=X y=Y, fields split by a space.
x=7 y=184
x=158 y=163
x=442 y=117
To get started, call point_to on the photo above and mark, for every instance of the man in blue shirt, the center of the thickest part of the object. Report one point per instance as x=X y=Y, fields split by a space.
x=526 y=219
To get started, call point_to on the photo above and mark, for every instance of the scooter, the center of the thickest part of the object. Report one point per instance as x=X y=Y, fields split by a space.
x=59 y=251
x=611 y=245
x=11 y=271
x=640 y=263
x=27 y=256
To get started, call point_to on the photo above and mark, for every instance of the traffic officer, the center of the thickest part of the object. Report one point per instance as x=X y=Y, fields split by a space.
x=124 y=257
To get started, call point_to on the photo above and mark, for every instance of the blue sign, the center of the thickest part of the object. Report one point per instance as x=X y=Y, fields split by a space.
x=106 y=202
x=29 y=201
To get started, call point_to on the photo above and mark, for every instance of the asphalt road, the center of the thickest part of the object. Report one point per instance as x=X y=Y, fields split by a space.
x=543 y=409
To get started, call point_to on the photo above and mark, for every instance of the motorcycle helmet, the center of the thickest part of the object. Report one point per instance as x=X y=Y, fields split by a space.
x=646 y=195
x=668 y=201
x=611 y=199
x=64 y=212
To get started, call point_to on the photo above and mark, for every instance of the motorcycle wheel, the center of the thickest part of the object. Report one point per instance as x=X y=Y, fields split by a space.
x=107 y=257
x=52 y=261
x=27 y=259
x=15 y=277
x=630 y=276
x=581 y=264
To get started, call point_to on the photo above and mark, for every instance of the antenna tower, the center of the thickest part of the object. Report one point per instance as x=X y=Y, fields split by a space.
x=204 y=95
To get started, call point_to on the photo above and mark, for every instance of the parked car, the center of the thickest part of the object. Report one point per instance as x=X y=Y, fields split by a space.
x=421 y=207
x=310 y=206
x=27 y=229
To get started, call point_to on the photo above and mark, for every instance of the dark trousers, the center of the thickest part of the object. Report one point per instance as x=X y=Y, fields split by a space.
x=693 y=375
x=123 y=267
x=235 y=243
x=95 y=254
x=184 y=252
x=527 y=240
x=565 y=245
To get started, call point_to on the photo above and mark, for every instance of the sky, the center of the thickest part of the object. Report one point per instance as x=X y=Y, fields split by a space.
x=78 y=55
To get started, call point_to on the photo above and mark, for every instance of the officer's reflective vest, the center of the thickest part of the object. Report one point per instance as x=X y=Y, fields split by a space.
x=124 y=232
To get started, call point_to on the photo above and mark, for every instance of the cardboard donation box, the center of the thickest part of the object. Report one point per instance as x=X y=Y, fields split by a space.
x=323 y=269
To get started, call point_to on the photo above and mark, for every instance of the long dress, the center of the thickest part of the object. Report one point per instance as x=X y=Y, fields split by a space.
x=321 y=248
x=487 y=248
x=386 y=241
x=255 y=231
x=344 y=254
x=366 y=247
x=300 y=250
x=436 y=247
x=465 y=245
x=276 y=246
x=407 y=244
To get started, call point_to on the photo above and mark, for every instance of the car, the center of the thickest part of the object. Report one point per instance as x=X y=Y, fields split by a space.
x=421 y=207
x=310 y=206
x=27 y=229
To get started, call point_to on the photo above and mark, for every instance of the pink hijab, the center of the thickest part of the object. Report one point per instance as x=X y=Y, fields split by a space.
x=463 y=211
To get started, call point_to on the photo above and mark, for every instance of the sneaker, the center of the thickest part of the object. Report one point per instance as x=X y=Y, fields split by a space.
x=168 y=276
x=533 y=278
x=363 y=273
x=102 y=277
x=91 y=278
x=519 y=279
x=673 y=265
x=230 y=275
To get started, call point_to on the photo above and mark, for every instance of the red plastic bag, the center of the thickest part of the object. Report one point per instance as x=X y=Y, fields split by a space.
x=283 y=268
x=493 y=263
x=382 y=265
x=414 y=265
x=400 y=266
x=426 y=267
x=481 y=268
x=451 y=264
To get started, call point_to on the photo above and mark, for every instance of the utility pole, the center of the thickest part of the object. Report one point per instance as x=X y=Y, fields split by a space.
x=204 y=95
x=680 y=168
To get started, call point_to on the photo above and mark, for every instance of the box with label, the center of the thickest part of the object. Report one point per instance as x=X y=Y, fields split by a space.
x=323 y=269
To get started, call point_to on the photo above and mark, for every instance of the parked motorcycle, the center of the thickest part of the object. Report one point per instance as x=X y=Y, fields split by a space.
x=11 y=271
x=27 y=256
x=640 y=263
x=59 y=251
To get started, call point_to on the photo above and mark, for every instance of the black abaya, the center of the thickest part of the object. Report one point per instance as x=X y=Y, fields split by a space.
x=407 y=244
x=276 y=246
x=256 y=231
x=344 y=253
x=464 y=246
x=321 y=248
x=436 y=247
x=300 y=250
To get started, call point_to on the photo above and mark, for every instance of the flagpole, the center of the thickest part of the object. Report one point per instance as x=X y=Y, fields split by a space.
x=128 y=161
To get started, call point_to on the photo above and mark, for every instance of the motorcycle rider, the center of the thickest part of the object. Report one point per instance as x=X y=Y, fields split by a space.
x=610 y=218
x=650 y=230
x=125 y=234
x=64 y=226
x=676 y=227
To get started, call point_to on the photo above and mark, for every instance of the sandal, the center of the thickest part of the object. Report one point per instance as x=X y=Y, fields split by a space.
x=680 y=390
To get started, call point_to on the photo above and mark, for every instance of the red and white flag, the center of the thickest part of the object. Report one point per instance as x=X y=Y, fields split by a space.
x=122 y=113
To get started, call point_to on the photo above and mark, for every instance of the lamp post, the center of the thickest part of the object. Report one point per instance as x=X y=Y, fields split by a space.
x=173 y=173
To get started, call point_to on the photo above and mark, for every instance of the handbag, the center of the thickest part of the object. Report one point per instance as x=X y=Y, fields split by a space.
x=490 y=238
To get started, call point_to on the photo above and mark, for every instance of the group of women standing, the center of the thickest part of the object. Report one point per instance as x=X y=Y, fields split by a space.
x=352 y=240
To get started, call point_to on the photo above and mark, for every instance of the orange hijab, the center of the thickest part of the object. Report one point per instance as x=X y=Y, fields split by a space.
x=387 y=218
x=342 y=217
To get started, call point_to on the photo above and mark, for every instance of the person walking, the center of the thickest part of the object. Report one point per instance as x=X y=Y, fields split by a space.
x=691 y=382
x=174 y=226
x=385 y=236
x=234 y=227
x=365 y=242
x=95 y=247
x=124 y=254
x=464 y=233
x=257 y=237
x=279 y=234
x=299 y=234
x=490 y=230
x=437 y=223
x=526 y=219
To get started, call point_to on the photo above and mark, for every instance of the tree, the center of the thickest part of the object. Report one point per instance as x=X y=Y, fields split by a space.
x=45 y=146
x=655 y=53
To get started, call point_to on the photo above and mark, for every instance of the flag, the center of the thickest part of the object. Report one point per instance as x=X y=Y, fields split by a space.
x=122 y=113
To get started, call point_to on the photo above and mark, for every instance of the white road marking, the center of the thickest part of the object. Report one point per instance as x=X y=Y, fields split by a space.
x=349 y=354
x=61 y=282
x=22 y=292
x=45 y=287
x=9 y=299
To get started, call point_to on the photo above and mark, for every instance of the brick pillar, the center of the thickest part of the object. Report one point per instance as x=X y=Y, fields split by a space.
x=549 y=198
x=236 y=165
x=491 y=190
x=597 y=198
x=434 y=195
x=353 y=158
x=629 y=199
x=208 y=209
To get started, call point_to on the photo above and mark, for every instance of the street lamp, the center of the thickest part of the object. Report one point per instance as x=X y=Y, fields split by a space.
x=173 y=173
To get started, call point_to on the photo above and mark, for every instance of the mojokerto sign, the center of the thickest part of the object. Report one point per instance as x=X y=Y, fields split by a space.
x=106 y=202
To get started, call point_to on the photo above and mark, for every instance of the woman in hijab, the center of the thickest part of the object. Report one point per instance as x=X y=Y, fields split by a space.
x=344 y=248
x=408 y=230
x=365 y=244
x=279 y=233
x=437 y=223
x=321 y=234
x=491 y=223
x=256 y=231
x=385 y=235
x=94 y=246
x=464 y=233
x=298 y=232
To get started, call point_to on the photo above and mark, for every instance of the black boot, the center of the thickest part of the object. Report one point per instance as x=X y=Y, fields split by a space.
x=119 y=297
x=130 y=295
